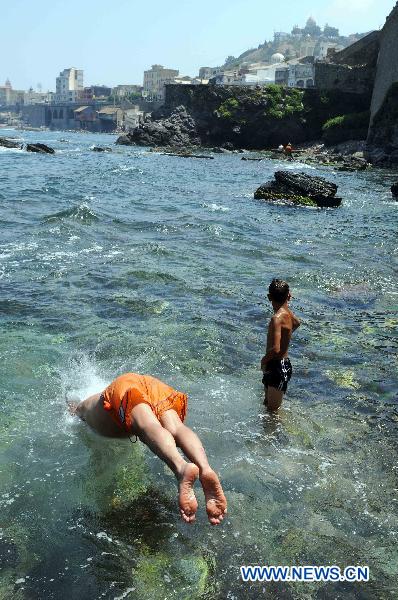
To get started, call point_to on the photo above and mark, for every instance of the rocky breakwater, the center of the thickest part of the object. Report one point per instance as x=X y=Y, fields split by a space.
x=299 y=189
x=177 y=129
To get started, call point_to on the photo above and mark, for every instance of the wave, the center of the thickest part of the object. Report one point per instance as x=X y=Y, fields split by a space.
x=82 y=213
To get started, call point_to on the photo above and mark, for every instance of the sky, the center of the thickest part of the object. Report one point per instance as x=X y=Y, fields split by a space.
x=114 y=41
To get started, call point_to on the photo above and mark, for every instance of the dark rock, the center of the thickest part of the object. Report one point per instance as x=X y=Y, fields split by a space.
x=394 y=189
x=247 y=158
x=125 y=140
x=41 y=148
x=176 y=128
x=306 y=185
x=6 y=143
x=188 y=155
x=100 y=149
x=299 y=188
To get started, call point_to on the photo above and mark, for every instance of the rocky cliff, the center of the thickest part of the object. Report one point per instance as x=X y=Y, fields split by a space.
x=243 y=117
x=383 y=130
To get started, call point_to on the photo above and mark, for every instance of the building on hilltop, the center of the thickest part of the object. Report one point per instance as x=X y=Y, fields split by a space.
x=9 y=96
x=69 y=85
x=209 y=72
x=154 y=81
x=95 y=92
x=121 y=91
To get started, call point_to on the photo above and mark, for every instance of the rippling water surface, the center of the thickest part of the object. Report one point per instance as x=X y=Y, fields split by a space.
x=135 y=261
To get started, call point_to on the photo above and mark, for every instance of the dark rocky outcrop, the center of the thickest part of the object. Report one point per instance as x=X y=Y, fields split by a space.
x=241 y=117
x=7 y=143
x=394 y=189
x=176 y=128
x=299 y=188
x=40 y=148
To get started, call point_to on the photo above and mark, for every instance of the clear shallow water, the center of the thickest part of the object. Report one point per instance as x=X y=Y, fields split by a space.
x=138 y=261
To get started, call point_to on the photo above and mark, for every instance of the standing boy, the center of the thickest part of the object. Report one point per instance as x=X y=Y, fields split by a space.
x=144 y=406
x=275 y=364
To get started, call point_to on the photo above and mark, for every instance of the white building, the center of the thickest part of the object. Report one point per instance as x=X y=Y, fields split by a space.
x=155 y=79
x=69 y=85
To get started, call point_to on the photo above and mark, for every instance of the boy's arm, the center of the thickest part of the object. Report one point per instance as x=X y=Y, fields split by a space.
x=274 y=347
x=296 y=323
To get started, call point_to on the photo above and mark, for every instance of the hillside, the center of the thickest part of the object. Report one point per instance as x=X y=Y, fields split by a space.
x=293 y=44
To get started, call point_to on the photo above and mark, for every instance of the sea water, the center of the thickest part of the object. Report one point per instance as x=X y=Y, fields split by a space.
x=136 y=261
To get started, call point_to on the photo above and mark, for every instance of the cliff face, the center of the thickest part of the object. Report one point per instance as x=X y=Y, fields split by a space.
x=252 y=118
x=383 y=131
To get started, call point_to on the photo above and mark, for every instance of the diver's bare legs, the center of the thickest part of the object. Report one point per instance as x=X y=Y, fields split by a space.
x=273 y=398
x=190 y=444
x=162 y=443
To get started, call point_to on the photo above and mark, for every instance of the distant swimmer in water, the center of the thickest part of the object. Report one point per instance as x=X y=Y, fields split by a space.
x=275 y=364
x=143 y=406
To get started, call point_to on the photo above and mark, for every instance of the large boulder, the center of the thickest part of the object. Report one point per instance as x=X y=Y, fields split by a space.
x=41 y=148
x=177 y=129
x=299 y=188
x=6 y=143
x=125 y=140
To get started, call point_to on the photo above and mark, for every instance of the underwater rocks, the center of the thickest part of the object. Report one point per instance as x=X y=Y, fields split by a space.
x=299 y=188
x=177 y=129
x=394 y=190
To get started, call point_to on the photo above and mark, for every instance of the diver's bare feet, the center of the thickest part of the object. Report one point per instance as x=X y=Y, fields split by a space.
x=186 y=497
x=216 y=503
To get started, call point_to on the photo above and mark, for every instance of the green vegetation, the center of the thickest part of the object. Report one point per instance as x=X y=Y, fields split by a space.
x=269 y=102
x=228 y=109
x=353 y=126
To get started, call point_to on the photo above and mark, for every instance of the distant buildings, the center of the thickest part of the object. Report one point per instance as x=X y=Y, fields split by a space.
x=9 y=96
x=95 y=92
x=69 y=85
x=121 y=91
x=155 y=79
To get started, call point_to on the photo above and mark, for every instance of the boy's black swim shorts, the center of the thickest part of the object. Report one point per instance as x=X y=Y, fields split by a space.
x=278 y=374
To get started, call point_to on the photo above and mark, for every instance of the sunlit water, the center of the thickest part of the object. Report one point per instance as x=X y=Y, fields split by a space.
x=135 y=261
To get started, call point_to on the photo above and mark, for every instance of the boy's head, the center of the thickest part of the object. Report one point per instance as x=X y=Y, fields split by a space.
x=278 y=291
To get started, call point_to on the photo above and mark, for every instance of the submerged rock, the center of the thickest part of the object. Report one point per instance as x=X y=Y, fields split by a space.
x=101 y=149
x=165 y=576
x=41 y=148
x=7 y=143
x=299 y=188
x=188 y=155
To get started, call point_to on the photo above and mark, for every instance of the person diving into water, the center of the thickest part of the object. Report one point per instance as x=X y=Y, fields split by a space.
x=143 y=406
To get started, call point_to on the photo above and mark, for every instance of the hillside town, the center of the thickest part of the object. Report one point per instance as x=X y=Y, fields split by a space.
x=297 y=59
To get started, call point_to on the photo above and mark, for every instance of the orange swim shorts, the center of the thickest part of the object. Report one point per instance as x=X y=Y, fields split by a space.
x=130 y=389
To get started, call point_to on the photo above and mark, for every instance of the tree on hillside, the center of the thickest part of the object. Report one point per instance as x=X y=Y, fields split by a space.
x=330 y=31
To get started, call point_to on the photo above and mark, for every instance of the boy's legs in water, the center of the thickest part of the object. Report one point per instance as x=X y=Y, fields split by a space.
x=273 y=398
x=162 y=438
x=190 y=444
